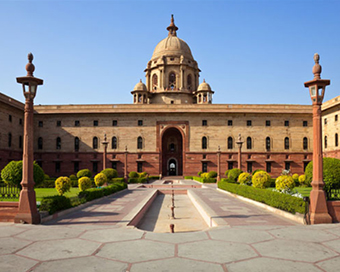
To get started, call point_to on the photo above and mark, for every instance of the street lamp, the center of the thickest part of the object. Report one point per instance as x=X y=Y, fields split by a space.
x=28 y=212
x=239 y=157
x=318 y=203
x=105 y=143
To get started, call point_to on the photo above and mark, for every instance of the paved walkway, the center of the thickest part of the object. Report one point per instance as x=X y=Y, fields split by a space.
x=94 y=239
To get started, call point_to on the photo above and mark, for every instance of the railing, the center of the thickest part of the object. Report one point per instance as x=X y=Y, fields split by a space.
x=333 y=194
x=7 y=192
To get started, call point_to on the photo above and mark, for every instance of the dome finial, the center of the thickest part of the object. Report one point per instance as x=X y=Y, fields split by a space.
x=172 y=28
x=317 y=67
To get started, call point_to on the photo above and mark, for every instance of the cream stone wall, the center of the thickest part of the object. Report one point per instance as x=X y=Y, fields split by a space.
x=331 y=126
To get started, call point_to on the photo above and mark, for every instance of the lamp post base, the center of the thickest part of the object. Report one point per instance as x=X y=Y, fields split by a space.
x=27 y=212
x=27 y=218
x=318 y=208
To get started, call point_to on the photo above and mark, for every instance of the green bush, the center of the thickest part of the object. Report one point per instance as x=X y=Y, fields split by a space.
x=199 y=173
x=302 y=180
x=257 y=170
x=114 y=180
x=62 y=185
x=204 y=179
x=133 y=174
x=73 y=176
x=46 y=176
x=110 y=173
x=137 y=180
x=226 y=173
x=244 y=178
x=284 y=183
x=212 y=174
x=100 y=179
x=47 y=183
x=331 y=173
x=260 y=179
x=296 y=179
x=188 y=177
x=234 y=173
x=74 y=182
x=153 y=177
x=94 y=193
x=142 y=175
x=12 y=173
x=84 y=183
x=275 y=199
x=228 y=180
x=84 y=173
x=53 y=204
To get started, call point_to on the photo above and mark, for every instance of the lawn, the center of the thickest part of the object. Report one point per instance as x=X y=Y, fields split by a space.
x=304 y=191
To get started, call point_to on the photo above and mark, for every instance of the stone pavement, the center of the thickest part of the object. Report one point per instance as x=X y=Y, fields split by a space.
x=94 y=239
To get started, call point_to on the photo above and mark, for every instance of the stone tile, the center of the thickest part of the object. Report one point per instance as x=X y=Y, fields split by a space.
x=240 y=235
x=334 y=245
x=13 y=263
x=83 y=264
x=335 y=230
x=258 y=227
x=303 y=233
x=331 y=265
x=176 y=265
x=263 y=264
x=54 y=249
x=137 y=251
x=49 y=233
x=216 y=251
x=294 y=250
x=112 y=235
x=176 y=237
x=9 y=230
x=11 y=244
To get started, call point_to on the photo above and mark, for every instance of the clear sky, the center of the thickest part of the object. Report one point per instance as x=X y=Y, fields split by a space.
x=94 y=52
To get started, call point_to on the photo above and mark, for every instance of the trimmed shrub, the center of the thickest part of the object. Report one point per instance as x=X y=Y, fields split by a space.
x=228 y=180
x=234 y=173
x=47 y=183
x=137 y=180
x=100 y=179
x=244 y=178
x=153 y=177
x=62 y=185
x=73 y=176
x=204 y=175
x=204 y=179
x=12 y=173
x=114 y=180
x=226 y=173
x=110 y=173
x=188 y=177
x=84 y=183
x=302 y=180
x=133 y=174
x=284 y=183
x=199 y=173
x=212 y=174
x=84 y=173
x=53 y=204
x=257 y=170
x=274 y=199
x=260 y=179
x=142 y=175
x=46 y=176
x=296 y=179
x=94 y=193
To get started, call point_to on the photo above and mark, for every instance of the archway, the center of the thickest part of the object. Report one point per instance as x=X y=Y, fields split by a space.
x=172 y=152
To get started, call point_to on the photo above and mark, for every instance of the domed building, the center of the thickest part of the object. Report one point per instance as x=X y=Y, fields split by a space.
x=172 y=127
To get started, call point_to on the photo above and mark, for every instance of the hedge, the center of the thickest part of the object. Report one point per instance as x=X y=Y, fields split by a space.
x=204 y=180
x=153 y=177
x=116 y=180
x=188 y=177
x=137 y=180
x=95 y=193
x=56 y=203
x=274 y=199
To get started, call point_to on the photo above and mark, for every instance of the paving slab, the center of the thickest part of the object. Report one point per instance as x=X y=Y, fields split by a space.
x=177 y=238
x=11 y=245
x=13 y=263
x=331 y=265
x=112 y=235
x=335 y=245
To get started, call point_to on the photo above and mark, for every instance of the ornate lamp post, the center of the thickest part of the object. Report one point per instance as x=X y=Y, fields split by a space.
x=28 y=212
x=318 y=203
x=218 y=163
x=239 y=159
x=105 y=143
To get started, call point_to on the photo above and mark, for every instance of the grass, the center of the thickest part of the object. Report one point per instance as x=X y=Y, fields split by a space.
x=304 y=191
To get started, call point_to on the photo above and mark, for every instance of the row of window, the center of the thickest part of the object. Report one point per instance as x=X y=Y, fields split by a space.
x=10 y=140
x=10 y=119
x=95 y=123
x=336 y=140
x=249 y=123
x=335 y=119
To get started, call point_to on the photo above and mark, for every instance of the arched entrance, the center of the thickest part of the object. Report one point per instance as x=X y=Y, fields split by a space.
x=172 y=152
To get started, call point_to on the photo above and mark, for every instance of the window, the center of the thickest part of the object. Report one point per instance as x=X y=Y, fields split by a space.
x=325 y=141
x=268 y=167
x=287 y=165
x=305 y=123
x=172 y=102
x=95 y=123
x=139 y=142
x=268 y=144
x=20 y=142
x=140 y=123
x=95 y=167
x=76 y=144
x=77 y=123
x=336 y=118
x=58 y=143
x=248 y=123
x=172 y=81
x=286 y=143
x=40 y=143
x=267 y=123
x=249 y=167
x=40 y=124
x=114 y=123
x=286 y=123
x=57 y=167
x=230 y=143
x=20 y=121
x=10 y=118
x=9 y=139
x=114 y=165
x=230 y=165
x=95 y=143
x=139 y=167
x=39 y=163
x=305 y=165
x=189 y=82
x=154 y=81
x=114 y=142
x=204 y=122
x=75 y=166
x=305 y=143
x=172 y=147
x=325 y=121
x=204 y=167
x=204 y=142
x=58 y=123
x=336 y=139
x=230 y=123
x=249 y=143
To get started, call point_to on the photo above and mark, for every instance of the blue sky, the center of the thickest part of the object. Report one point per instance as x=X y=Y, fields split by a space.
x=94 y=52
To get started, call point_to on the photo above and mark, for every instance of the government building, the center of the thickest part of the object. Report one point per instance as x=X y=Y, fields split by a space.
x=172 y=127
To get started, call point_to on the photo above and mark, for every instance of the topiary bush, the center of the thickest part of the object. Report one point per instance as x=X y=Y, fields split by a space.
x=100 y=179
x=296 y=179
x=12 y=173
x=46 y=176
x=234 y=173
x=84 y=183
x=110 y=173
x=142 y=175
x=331 y=173
x=133 y=174
x=53 y=204
x=226 y=173
x=199 y=173
x=212 y=174
x=284 y=183
x=244 y=178
x=254 y=172
x=62 y=185
x=84 y=173
x=73 y=176
x=302 y=180
x=260 y=179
